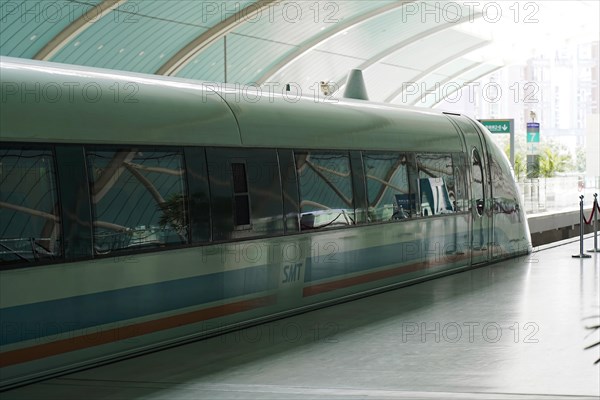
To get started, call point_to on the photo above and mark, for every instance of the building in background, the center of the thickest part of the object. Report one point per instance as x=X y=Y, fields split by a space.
x=561 y=89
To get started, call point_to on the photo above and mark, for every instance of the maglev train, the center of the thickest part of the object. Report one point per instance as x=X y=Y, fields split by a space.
x=138 y=212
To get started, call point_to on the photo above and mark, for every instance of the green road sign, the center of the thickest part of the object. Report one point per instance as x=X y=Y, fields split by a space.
x=533 y=132
x=497 y=125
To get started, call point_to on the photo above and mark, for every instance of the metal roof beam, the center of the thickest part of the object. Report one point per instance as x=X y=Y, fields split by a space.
x=462 y=71
x=318 y=39
x=398 y=46
x=436 y=66
x=184 y=56
x=468 y=83
x=75 y=28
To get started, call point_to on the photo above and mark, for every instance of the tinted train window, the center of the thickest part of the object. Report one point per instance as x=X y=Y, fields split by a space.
x=289 y=186
x=241 y=196
x=388 y=188
x=436 y=184
x=198 y=193
x=138 y=198
x=505 y=191
x=246 y=199
x=325 y=183
x=29 y=209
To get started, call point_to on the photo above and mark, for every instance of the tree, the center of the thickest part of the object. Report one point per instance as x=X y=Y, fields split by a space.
x=580 y=159
x=520 y=167
x=551 y=162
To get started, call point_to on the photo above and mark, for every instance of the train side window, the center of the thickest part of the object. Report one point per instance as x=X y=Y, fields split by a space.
x=198 y=194
x=388 y=188
x=138 y=198
x=289 y=189
x=437 y=187
x=29 y=208
x=325 y=186
x=246 y=199
x=241 y=196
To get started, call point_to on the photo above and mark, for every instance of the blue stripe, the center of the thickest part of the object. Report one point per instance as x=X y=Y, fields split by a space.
x=333 y=264
x=363 y=260
x=34 y=321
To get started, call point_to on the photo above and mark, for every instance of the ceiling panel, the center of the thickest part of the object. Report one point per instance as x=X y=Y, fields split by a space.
x=458 y=82
x=382 y=79
x=294 y=22
x=287 y=41
x=209 y=67
x=455 y=66
x=138 y=41
x=420 y=54
x=28 y=25
x=290 y=28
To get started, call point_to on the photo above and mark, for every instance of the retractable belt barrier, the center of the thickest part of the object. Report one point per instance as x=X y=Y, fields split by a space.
x=596 y=211
x=582 y=220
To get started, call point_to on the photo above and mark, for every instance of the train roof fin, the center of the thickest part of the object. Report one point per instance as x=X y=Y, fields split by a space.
x=355 y=86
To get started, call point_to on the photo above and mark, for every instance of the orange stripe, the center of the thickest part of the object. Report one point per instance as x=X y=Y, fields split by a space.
x=82 y=342
x=374 y=276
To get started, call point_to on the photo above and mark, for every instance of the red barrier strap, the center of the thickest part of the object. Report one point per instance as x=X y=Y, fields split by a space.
x=587 y=222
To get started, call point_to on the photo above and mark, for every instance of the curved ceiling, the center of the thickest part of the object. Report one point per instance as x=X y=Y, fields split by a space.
x=405 y=48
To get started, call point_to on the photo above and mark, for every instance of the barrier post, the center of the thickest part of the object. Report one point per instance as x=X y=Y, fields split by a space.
x=595 y=249
x=581 y=228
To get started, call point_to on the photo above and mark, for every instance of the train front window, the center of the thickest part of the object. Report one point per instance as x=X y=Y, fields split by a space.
x=326 y=194
x=388 y=188
x=30 y=227
x=138 y=198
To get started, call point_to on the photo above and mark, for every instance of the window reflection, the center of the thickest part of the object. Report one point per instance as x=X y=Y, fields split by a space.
x=29 y=211
x=326 y=197
x=138 y=198
x=436 y=184
x=388 y=189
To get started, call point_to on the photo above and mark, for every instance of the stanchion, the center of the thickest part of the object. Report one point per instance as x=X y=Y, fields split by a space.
x=581 y=228
x=595 y=209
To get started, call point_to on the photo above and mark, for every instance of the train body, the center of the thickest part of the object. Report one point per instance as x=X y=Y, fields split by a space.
x=139 y=212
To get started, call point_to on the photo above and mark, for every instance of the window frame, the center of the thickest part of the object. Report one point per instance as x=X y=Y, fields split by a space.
x=412 y=199
x=22 y=261
x=183 y=180
x=326 y=227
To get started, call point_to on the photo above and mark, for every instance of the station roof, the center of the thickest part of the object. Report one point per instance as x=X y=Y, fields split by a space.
x=271 y=43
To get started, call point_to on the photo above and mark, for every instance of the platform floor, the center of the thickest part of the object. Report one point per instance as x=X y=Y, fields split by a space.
x=513 y=330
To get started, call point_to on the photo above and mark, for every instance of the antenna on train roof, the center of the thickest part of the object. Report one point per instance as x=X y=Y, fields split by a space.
x=355 y=86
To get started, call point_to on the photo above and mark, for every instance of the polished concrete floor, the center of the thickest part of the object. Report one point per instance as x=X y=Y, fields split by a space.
x=513 y=330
